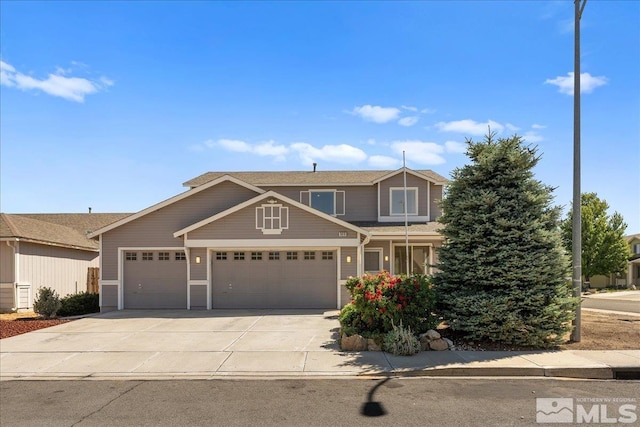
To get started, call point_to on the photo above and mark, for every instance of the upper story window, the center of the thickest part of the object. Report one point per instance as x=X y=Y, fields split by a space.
x=324 y=201
x=636 y=249
x=272 y=218
x=330 y=202
x=396 y=197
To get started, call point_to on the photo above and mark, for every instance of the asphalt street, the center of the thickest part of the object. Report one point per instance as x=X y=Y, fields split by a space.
x=296 y=402
x=626 y=305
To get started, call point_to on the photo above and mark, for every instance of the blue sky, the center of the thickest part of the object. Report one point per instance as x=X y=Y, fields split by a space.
x=114 y=104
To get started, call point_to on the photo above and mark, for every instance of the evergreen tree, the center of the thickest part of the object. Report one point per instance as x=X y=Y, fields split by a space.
x=503 y=272
x=604 y=249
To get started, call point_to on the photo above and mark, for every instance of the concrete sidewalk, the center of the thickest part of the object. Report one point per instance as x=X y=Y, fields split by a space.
x=181 y=344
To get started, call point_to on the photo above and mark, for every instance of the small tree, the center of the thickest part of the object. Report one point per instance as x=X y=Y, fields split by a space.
x=604 y=249
x=502 y=267
x=47 y=303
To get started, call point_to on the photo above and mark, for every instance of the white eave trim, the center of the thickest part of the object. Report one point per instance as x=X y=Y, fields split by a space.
x=175 y=199
x=270 y=244
x=264 y=196
x=409 y=171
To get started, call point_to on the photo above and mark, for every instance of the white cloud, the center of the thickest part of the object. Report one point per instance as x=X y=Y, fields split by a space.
x=410 y=108
x=384 y=162
x=269 y=148
x=587 y=82
x=371 y=141
x=376 y=114
x=342 y=153
x=427 y=153
x=455 y=147
x=532 y=136
x=428 y=110
x=469 y=127
x=235 y=145
x=408 y=121
x=70 y=88
x=511 y=127
x=537 y=126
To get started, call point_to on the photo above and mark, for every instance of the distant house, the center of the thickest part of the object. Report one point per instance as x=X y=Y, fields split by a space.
x=270 y=239
x=633 y=268
x=52 y=250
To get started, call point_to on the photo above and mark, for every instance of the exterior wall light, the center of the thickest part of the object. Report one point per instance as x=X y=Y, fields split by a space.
x=386 y=258
x=198 y=260
x=348 y=258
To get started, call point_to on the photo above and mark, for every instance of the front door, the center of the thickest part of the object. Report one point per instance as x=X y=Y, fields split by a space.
x=418 y=259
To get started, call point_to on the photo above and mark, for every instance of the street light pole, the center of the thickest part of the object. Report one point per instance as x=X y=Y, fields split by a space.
x=576 y=238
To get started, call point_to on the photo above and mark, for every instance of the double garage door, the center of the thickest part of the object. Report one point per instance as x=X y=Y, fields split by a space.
x=245 y=279
x=286 y=279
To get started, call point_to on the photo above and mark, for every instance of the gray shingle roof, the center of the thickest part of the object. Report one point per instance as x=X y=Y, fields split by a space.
x=68 y=230
x=307 y=177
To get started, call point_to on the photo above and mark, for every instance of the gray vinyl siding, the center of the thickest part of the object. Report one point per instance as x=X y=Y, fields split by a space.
x=6 y=263
x=109 y=298
x=436 y=195
x=62 y=269
x=398 y=181
x=198 y=271
x=242 y=225
x=348 y=269
x=360 y=202
x=7 y=292
x=345 y=296
x=198 y=297
x=156 y=228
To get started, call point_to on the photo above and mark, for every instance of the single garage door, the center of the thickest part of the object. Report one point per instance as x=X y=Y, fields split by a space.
x=155 y=279
x=293 y=279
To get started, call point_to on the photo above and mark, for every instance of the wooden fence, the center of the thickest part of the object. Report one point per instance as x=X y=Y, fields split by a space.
x=93 y=274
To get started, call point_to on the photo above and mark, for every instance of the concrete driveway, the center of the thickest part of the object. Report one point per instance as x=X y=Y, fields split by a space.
x=134 y=343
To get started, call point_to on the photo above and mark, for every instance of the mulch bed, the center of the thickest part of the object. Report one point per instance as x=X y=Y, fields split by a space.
x=10 y=328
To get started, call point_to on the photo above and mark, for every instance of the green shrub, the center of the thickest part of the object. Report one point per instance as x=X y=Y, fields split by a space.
x=47 y=303
x=380 y=301
x=78 y=304
x=401 y=341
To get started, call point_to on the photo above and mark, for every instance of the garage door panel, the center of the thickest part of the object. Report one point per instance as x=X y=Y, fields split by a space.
x=274 y=283
x=155 y=284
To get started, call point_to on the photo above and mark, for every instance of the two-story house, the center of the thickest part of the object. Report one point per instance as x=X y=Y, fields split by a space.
x=270 y=239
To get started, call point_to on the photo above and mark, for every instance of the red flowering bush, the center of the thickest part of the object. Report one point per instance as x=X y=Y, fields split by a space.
x=381 y=300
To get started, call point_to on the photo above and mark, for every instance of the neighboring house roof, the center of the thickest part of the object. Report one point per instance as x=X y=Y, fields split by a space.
x=66 y=230
x=632 y=237
x=294 y=178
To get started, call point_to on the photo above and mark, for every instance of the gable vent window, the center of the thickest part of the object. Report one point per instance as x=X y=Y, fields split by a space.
x=309 y=255
x=256 y=256
x=131 y=256
x=272 y=218
x=221 y=256
x=147 y=256
x=180 y=256
x=327 y=255
x=238 y=256
x=163 y=256
x=292 y=256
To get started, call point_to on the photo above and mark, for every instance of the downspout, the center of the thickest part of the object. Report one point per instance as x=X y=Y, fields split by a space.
x=16 y=271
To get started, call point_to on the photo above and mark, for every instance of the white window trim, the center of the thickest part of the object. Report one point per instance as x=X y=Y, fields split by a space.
x=392 y=189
